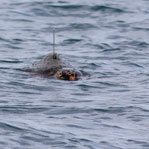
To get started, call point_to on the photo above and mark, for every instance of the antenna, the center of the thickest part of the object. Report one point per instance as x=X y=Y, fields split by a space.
x=54 y=54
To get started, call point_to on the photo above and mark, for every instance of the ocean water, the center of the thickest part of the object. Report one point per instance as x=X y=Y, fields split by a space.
x=107 y=39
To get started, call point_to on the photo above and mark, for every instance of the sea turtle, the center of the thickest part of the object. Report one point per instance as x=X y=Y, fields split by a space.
x=53 y=66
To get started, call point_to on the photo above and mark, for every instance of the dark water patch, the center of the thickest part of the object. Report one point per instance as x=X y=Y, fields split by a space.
x=29 y=86
x=62 y=2
x=142 y=143
x=115 y=110
x=40 y=12
x=66 y=7
x=19 y=13
x=5 y=40
x=82 y=26
x=82 y=94
x=74 y=140
x=115 y=37
x=141 y=28
x=11 y=127
x=46 y=9
x=77 y=126
x=97 y=46
x=112 y=50
x=22 y=109
x=47 y=132
x=17 y=40
x=39 y=3
x=85 y=142
x=73 y=100
x=121 y=110
x=71 y=147
x=112 y=126
x=108 y=9
x=94 y=65
x=138 y=118
x=111 y=110
x=86 y=87
x=23 y=20
x=122 y=90
x=111 y=84
x=138 y=44
x=10 y=46
x=11 y=62
x=12 y=41
x=44 y=139
x=106 y=45
x=27 y=93
x=3 y=101
x=135 y=119
x=145 y=81
x=21 y=142
x=132 y=64
x=2 y=143
x=101 y=47
x=3 y=68
x=105 y=118
x=120 y=23
x=71 y=41
x=18 y=4
x=71 y=110
x=108 y=145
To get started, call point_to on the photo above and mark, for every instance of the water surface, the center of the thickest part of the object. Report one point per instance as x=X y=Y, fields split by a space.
x=109 y=40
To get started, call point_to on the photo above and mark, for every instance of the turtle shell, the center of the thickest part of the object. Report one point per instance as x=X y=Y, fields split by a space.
x=50 y=65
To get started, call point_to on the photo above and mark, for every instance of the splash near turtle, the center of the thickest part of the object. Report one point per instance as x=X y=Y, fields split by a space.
x=53 y=66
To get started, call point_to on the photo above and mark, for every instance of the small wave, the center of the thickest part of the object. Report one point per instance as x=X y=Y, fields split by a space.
x=77 y=126
x=112 y=110
x=112 y=49
x=71 y=41
x=39 y=3
x=23 y=20
x=21 y=109
x=11 y=127
x=143 y=143
x=40 y=12
x=139 y=44
x=141 y=28
x=3 y=39
x=65 y=7
x=112 y=126
x=11 y=61
x=71 y=110
x=82 y=26
x=107 y=9
x=118 y=110
x=28 y=86
x=133 y=64
x=19 y=13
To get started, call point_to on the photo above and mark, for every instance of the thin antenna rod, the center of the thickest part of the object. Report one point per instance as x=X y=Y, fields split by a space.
x=53 y=41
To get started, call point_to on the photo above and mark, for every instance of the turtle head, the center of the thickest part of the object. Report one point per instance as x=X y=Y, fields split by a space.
x=68 y=74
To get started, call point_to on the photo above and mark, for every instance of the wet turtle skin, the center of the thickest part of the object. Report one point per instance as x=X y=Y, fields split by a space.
x=54 y=66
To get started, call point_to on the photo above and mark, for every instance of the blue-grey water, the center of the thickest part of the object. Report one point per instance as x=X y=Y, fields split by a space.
x=107 y=39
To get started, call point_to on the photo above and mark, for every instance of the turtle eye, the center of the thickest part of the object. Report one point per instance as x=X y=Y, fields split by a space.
x=59 y=75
